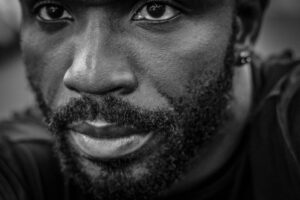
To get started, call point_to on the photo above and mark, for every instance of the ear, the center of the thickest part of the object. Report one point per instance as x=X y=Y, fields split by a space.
x=249 y=14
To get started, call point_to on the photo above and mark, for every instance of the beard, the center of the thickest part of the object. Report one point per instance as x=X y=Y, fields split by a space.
x=194 y=120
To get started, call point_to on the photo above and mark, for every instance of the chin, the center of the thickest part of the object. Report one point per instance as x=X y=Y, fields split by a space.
x=143 y=174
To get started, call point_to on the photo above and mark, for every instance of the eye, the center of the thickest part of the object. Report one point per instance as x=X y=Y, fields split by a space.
x=52 y=13
x=156 y=12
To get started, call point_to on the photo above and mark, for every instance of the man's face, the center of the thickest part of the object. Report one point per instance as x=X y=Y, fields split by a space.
x=131 y=89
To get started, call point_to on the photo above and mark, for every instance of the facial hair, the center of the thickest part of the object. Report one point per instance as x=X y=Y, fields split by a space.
x=194 y=120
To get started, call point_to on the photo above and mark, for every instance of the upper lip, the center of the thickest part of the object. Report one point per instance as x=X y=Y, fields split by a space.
x=109 y=131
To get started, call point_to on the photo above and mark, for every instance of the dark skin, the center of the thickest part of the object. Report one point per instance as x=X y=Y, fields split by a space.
x=117 y=48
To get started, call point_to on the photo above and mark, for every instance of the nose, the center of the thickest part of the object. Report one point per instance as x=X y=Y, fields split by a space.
x=101 y=79
x=98 y=69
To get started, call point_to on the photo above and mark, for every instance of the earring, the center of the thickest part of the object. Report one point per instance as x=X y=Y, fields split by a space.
x=243 y=57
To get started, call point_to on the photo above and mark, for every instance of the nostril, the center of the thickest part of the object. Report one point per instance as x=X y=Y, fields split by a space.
x=70 y=87
x=101 y=85
x=120 y=91
x=127 y=90
x=124 y=82
x=122 y=87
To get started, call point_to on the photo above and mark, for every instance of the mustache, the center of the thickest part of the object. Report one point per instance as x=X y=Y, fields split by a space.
x=112 y=110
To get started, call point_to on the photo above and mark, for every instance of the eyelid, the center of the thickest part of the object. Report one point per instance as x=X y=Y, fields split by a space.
x=46 y=2
x=39 y=5
x=173 y=3
x=176 y=5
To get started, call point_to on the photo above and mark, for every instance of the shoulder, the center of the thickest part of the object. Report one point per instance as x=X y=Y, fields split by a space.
x=282 y=81
x=270 y=75
x=278 y=87
x=27 y=163
x=27 y=126
x=24 y=133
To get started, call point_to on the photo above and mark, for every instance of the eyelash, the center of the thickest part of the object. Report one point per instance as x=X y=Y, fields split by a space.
x=137 y=8
x=39 y=4
x=167 y=2
x=171 y=3
x=141 y=4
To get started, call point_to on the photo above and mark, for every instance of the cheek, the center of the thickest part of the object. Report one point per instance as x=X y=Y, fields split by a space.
x=172 y=62
x=46 y=62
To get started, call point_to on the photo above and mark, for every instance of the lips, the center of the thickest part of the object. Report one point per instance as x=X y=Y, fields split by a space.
x=103 y=130
x=102 y=140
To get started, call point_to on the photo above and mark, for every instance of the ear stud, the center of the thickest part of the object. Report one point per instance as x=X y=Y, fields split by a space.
x=244 y=57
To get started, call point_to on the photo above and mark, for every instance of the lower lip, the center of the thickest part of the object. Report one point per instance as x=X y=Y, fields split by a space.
x=109 y=148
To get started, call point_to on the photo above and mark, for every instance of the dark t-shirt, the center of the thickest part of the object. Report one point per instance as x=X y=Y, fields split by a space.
x=265 y=166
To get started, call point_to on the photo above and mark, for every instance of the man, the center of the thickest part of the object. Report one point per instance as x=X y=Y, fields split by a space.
x=160 y=99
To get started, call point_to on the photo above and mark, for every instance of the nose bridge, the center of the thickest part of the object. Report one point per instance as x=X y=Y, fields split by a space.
x=98 y=66
x=94 y=46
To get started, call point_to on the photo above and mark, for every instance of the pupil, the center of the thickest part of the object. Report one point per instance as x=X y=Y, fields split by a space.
x=55 y=12
x=156 y=10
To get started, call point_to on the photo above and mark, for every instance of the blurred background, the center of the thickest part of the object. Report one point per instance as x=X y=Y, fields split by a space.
x=281 y=30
